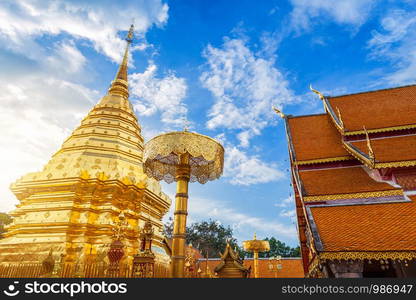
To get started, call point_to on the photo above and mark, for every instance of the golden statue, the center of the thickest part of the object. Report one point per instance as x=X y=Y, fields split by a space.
x=73 y=204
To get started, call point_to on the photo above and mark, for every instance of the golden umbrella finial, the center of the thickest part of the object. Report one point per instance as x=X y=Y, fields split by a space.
x=184 y=157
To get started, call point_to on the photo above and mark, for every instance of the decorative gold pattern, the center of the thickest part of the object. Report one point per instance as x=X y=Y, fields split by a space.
x=396 y=255
x=161 y=156
x=313 y=265
x=396 y=164
x=353 y=195
x=322 y=160
x=377 y=130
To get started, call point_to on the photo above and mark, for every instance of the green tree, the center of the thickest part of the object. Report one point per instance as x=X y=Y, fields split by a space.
x=4 y=220
x=207 y=236
x=210 y=236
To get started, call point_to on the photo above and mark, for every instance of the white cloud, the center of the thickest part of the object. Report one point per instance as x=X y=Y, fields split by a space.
x=289 y=213
x=66 y=58
x=396 y=43
x=245 y=84
x=287 y=208
x=36 y=115
x=243 y=169
x=23 y=22
x=349 y=12
x=164 y=95
x=289 y=201
x=42 y=98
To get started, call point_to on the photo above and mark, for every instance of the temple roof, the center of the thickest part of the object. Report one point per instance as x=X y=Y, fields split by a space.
x=348 y=170
x=382 y=109
x=376 y=227
x=230 y=255
x=389 y=151
x=336 y=181
x=314 y=137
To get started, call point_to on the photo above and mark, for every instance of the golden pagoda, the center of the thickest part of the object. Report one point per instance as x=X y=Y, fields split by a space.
x=72 y=206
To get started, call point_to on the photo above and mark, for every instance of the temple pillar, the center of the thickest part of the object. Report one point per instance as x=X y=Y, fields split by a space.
x=346 y=269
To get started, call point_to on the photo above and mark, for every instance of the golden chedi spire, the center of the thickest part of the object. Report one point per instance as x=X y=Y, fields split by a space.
x=73 y=203
x=119 y=86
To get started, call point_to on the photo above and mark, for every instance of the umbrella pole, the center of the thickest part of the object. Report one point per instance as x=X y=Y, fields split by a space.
x=256 y=264
x=180 y=214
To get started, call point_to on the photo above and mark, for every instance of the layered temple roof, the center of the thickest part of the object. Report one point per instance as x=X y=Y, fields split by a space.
x=381 y=110
x=354 y=176
x=315 y=138
x=341 y=182
x=377 y=227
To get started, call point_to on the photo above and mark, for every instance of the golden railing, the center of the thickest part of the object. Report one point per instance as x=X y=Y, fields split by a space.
x=70 y=270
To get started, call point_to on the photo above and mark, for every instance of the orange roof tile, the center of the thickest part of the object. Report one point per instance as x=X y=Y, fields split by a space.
x=315 y=137
x=375 y=227
x=291 y=267
x=377 y=109
x=391 y=149
x=340 y=181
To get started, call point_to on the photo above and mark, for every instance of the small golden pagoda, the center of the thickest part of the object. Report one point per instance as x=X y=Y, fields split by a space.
x=73 y=204
x=231 y=265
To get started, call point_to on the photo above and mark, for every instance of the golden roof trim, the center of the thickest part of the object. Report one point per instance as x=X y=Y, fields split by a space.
x=370 y=154
x=317 y=261
x=376 y=194
x=323 y=160
x=362 y=158
x=346 y=255
x=377 y=130
x=377 y=165
x=396 y=164
x=330 y=111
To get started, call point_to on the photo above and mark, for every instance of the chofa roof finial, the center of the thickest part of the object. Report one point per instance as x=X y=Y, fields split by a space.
x=370 y=148
x=321 y=96
x=279 y=112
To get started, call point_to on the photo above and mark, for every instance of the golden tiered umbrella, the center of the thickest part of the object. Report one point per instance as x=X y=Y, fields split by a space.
x=184 y=157
x=256 y=246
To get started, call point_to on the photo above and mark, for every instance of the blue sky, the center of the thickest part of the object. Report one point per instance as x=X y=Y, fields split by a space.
x=219 y=65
